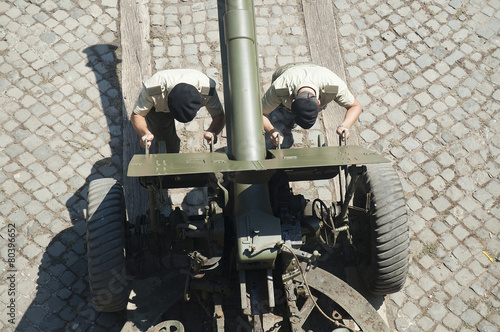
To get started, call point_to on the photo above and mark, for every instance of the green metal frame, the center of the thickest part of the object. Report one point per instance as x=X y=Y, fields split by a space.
x=217 y=162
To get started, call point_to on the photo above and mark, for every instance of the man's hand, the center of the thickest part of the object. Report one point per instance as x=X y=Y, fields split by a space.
x=208 y=135
x=343 y=132
x=146 y=138
x=276 y=135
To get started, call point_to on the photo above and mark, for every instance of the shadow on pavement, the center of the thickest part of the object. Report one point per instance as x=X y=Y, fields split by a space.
x=62 y=302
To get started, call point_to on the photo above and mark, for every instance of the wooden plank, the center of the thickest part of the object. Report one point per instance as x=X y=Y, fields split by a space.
x=325 y=51
x=136 y=68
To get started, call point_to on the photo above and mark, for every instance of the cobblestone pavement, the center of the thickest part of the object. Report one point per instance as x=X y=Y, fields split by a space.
x=429 y=73
x=426 y=72
x=60 y=127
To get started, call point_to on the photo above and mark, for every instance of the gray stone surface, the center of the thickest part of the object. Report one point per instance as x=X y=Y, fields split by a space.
x=55 y=76
x=450 y=78
x=426 y=73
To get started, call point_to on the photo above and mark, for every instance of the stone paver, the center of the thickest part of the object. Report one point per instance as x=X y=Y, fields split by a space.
x=426 y=73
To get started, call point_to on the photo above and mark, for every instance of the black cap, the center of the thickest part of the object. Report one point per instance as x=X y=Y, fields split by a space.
x=184 y=101
x=306 y=109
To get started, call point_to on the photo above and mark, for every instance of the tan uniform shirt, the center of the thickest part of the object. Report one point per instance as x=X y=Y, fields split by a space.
x=327 y=84
x=155 y=91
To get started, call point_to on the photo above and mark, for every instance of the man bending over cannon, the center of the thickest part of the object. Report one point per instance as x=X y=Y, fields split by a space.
x=304 y=89
x=176 y=94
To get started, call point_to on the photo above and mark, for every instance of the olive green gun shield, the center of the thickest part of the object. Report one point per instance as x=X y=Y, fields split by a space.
x=285 y=159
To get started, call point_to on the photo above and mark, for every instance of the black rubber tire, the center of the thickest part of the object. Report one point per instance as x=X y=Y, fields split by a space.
x=381 y=235
x=106 y=220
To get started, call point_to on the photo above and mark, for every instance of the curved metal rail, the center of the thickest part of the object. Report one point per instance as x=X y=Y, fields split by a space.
x=361 y=311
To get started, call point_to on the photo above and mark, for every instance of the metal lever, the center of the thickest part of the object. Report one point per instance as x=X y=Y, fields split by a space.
x=146 y=147
x=344 y=135
x=344 y=167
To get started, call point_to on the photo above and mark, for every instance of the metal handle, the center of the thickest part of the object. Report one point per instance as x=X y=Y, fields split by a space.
x=343 y=135
x=321 y=140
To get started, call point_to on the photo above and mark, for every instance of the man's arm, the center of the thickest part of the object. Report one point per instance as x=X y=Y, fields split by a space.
x=269 y=103
x=141 y=128
x=268 y=126
x=214 y=106
x=218 y=122
x=142 y=106
x=351 y=116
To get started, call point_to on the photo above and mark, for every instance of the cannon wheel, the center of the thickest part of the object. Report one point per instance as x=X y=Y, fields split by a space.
x=106 y=218
x=381 y=233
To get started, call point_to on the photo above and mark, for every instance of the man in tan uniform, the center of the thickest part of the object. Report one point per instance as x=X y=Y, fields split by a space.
x=175 y=94
x=303 y=89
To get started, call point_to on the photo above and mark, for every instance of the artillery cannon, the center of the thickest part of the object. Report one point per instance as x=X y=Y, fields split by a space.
x=256 y=239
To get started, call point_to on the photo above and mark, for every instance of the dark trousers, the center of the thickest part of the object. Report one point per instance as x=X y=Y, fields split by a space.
x=162 y=125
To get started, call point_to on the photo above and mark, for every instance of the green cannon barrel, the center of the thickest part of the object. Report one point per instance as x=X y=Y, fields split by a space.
x=245 y=118
x=256 y=226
